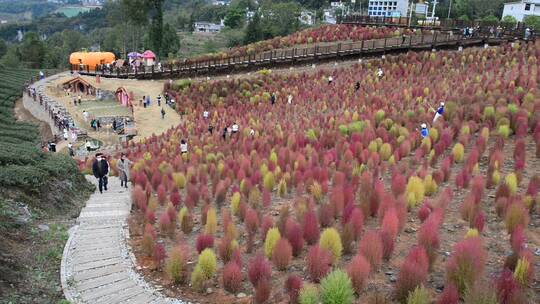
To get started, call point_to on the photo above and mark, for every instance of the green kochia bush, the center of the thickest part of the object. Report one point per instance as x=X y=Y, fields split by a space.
x=336 y=288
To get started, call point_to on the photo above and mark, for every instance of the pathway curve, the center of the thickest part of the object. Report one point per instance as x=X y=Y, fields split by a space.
x=97 y=266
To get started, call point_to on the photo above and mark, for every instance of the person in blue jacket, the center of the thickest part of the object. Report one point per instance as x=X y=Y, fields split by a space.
x=424 y=131
x=439 y=112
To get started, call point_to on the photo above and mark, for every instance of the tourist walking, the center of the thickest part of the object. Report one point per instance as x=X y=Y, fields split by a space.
x=123 y=170
x=235 y=128
x=273 y=99
x=70 y=150
x=424 y=131
x=85 y=115
x=88 y=145
x=100 y=169
x=162 y=113
x=289 y=99
x=224 y=134
x=66 y=135
x=330 y=79
x=159 y=100
x=357 y=86
x=380 y=73
x=439 y=112
x=183 y=146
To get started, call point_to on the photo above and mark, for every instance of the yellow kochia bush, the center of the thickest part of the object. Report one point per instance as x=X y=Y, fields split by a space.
x=457 y=152
x=331 y=241
x=272 y=237
x=414 y=191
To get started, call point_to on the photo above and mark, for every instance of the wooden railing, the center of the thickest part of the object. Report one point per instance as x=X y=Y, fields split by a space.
x=292 y=56
x=443 y=24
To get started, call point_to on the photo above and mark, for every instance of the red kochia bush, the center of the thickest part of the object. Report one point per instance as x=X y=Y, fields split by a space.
x=428 y=238
x=161 y=194
x=508 y=290
x=311 y=227
x=518 y=239
x=466 y=264
x=424 y=212
x=318 y=262
x=356 y=220
x=139 y=197
x=267 y=223
x=293 y=232
x=204 y=241
x=175 y=198
x=159 y=255
x=399 y=182
x=358 y=270
x=282 y=254
x=371 y=247
x=293 y=284
x=389 y=230
x=413 y=272
x=449 y=295
x=232 y=277
x=262 y=291
x=259 y=269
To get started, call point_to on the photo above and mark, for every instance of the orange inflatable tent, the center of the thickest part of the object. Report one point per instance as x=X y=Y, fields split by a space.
x=91 y=59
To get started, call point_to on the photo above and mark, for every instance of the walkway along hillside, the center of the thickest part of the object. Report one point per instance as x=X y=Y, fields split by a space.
x=298 y=56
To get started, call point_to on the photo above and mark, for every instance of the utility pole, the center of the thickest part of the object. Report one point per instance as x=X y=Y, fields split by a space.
x=433 y=11
x=449 y=9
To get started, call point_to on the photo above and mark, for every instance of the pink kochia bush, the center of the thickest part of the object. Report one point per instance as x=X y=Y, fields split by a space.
x=311 y=227
x=293 y=284
x=358 y=270
x=413 y=272
x=389 y=230
x=232 y=277
x=204 y=241
x=318 y=262
x=259 y=269
x=466 y=263
x=371 y=247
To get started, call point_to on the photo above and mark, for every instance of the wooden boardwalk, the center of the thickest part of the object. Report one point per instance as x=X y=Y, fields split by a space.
x=302 y=55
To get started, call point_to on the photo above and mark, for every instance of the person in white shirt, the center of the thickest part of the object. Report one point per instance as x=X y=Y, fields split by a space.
x=183 y=146
x=289 y=99
x=85 y=115
x=66 y=135
x=380 y=73
x=252 y=132
x=206 y=114
x=330 y=79
x=235 y=128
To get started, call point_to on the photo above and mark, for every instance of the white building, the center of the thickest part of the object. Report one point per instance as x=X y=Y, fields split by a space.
x=207 y=27
x=521 y=9
x=307 y=18
x=329 y=16
x=382 y=8
x=221 y=2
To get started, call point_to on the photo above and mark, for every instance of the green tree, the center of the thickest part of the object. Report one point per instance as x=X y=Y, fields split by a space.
x=156 y=27
x=3 y=47
x=11 y=58
x=532 y=21
x=279 y=19
x=32 y=50
x=509 y=20
x=234 y=18
x=253 y=30
x=171 y=42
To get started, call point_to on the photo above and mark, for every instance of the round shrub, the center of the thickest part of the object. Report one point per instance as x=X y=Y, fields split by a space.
x=331 y=241
x=282 y=254
x=420 y=295
x=198 y=278
x=235 y=203
x=386 y=151
x=207 y=262
x=269 y=181
x=176 y=264
x=358 y=270
x=272 y=237
x=512 y=182
x=457 y=152
x=309 y=294
x=414 y=191
x=336 y=288
x=430 y=185
x=232 y=277
x=504 y=131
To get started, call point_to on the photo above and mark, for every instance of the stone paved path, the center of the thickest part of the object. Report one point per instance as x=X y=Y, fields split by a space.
x=97 y=266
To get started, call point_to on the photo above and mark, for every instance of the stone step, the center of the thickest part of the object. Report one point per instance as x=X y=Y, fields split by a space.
x=98 y=272
x=92 y=296
x=97 y=264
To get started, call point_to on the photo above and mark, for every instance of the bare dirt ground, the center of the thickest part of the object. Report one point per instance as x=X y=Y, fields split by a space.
x=22 y=114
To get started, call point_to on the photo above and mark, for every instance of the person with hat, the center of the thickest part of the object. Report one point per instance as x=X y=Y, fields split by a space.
x=183 y=146
x=424 y=131
x=439 y=112
x=100 y=169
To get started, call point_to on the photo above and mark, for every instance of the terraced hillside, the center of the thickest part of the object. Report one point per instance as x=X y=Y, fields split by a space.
x=36 y=190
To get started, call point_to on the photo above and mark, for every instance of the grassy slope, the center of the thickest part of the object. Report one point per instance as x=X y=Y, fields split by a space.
x=39 y=195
